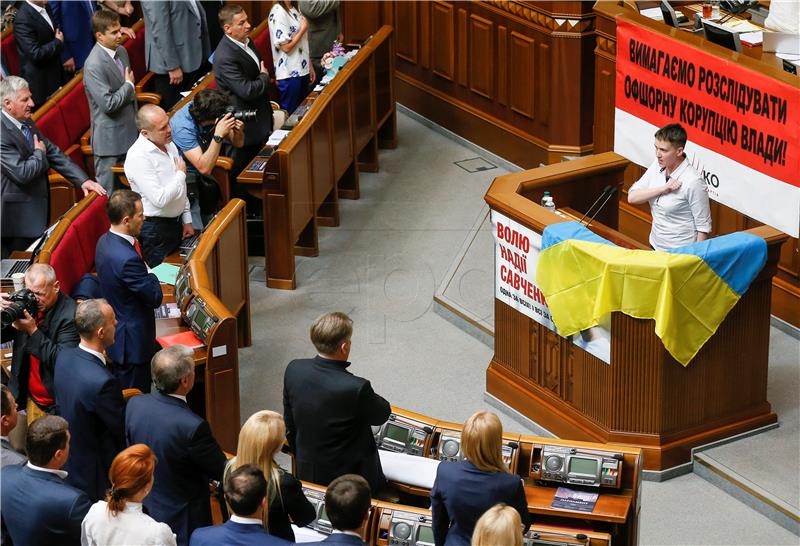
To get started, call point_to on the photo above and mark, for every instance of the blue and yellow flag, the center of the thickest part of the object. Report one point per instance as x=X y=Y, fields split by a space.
x=688 y=291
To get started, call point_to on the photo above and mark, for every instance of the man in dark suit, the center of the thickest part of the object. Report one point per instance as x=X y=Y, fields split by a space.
x=39 y=43
x=347 y=503
x=246 y=494
x=111 y=91
x=132 y=290
x=37 y=505
x=25 y=157
x=176 y=46
x=89 y=397
x=329 y=412
x=74 y=18
x=8 y=455
x=188 y=455
x=38 y=341
x=239 y=71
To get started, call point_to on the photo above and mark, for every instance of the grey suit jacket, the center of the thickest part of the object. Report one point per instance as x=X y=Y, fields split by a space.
x=25 y=191
x=174 y=37
x=112 y=102
x=324 y=24
x=9 y=455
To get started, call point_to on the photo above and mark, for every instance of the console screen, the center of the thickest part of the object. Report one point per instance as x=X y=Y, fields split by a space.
x=324 y=515
x=181 y=288
x=425 y=534
x=578 y=465
x=399 y=434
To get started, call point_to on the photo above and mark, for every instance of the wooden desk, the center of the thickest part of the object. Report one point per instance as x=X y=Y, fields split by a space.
x=644 y=398
x=319 y=161
x=635 y=220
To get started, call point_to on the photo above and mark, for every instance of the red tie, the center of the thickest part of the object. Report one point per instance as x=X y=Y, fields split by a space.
x=137 y=247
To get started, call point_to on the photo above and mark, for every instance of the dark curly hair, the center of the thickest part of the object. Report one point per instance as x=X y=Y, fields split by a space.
x=209 y=104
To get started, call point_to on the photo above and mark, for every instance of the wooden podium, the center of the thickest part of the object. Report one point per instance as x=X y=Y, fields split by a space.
x=644 y=398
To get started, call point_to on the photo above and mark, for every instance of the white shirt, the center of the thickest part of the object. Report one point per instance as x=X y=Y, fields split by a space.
x=60 y=473
x=42 y=12
x=130 y=526
x=282 y=26
x=17 y=123
x=113 y=54
x=680 y=214
x=246 y=521
x=178 y=396
x=246 y=49
x=93 y=352
x=152 y=173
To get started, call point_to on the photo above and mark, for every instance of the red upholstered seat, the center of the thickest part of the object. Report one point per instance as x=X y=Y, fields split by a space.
x=135 y=49
x=53 y=126
x=75 y=111
x=8 y=49
x=69 y=263
x=90 y=226
x=74 y=255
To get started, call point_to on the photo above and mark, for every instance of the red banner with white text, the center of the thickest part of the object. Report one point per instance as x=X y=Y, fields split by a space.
x=743 y=126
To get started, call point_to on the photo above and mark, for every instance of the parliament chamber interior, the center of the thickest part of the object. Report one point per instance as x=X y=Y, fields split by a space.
x=461 y=188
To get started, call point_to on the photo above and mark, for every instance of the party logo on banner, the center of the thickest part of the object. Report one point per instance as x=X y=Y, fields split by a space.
x=517 y=250
x=743 y=126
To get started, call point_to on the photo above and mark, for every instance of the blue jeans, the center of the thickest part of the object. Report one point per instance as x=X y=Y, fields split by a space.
x=160 y=238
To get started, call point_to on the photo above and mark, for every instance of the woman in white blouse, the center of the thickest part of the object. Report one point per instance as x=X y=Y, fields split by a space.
x=119 y=519
x=290 y=53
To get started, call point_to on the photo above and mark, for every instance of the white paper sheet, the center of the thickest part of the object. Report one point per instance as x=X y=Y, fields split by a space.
x=408 y=469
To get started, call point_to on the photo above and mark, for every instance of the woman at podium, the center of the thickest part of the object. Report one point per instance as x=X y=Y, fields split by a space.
x=676 y=193
x=464 y=490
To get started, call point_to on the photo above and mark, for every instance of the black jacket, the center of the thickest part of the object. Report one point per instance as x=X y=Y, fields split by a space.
x=238 y=75
x=329 y=413
x=291 y=503
x=188 y=457
x=39 y=52
x=56 y=332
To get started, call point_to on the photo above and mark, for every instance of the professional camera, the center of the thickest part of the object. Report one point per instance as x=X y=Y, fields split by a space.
x=21 y=301
x=244 y=115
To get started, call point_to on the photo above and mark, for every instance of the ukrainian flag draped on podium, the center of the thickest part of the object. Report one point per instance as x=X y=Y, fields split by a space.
x=688 y=291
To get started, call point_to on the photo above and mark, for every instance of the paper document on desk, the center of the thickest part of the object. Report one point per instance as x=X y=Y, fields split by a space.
x=408 y=469
x=742 y=25
x=166 y=273
x=782 y=42
x=277 y=136
x=304 y=534
x=751 y=38
x=653 y=13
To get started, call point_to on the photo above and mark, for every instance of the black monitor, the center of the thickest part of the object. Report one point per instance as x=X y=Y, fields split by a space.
x=722 y=36
x=670 y=17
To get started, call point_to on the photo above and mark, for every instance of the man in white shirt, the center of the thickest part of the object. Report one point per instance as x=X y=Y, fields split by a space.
x=110 y=89
x=677 y=195
x=37 y=505
x=157 y=172
x=246 y=494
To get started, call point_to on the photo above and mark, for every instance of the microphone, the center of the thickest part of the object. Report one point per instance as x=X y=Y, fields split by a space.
x=603 y=204
x=537 y=535
x=599 y=197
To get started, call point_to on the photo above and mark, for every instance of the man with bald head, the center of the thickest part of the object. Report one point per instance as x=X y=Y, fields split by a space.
x=155 y=170
x=38 y=340
x=89 y=397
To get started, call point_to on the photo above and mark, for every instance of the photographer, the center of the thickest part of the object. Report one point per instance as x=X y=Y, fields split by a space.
x=38 y=338
x=198 y=130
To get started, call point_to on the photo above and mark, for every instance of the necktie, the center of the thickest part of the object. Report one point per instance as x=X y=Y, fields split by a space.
x=119 y=65
x=26 y=131
x=138 y=248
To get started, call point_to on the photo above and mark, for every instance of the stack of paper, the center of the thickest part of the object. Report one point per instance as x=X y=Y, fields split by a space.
x=277 y=137
x=751 y=38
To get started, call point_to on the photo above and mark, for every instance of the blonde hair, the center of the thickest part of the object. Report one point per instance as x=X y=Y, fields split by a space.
x=261 y=437
x=482 y=442
x=500 y=524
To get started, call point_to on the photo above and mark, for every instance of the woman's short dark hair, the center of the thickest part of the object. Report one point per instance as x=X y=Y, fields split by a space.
x=346 y=501
x=209 y=104
x=674 y=133
x=46 y=436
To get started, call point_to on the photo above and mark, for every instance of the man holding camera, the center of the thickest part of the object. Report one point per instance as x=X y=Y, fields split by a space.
x=199 y=130
x=39 y=335
x=240 y=71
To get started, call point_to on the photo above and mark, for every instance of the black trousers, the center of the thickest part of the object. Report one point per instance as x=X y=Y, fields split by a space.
x=159 y=238
x=171 y=94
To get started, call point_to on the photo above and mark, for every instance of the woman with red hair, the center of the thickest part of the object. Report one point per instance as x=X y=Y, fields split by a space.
x=119 y=519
